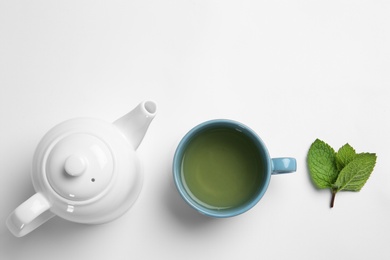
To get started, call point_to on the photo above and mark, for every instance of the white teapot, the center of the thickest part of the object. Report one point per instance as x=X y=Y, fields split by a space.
x=85 y=170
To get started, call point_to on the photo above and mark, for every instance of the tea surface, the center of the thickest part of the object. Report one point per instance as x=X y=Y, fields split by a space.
x=221 y=168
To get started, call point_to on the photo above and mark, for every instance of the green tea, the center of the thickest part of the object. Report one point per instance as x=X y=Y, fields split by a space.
x=222 y=168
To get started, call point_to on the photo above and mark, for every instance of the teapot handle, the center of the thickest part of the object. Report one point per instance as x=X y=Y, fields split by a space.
x=29 y=215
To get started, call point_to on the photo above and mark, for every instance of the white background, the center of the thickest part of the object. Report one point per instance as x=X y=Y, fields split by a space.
x=293 y=71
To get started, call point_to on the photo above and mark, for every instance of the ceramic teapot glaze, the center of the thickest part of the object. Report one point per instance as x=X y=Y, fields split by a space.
x=85 y=170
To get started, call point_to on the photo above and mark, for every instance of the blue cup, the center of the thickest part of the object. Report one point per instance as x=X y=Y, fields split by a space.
x=270 y=166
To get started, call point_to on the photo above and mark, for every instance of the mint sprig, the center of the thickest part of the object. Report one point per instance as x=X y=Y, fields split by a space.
x=344 y=170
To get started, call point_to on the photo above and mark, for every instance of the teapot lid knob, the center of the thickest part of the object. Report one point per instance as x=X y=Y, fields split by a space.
x=75 y=165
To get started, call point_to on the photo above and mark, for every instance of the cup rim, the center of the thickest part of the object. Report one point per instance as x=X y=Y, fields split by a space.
x=178 y=159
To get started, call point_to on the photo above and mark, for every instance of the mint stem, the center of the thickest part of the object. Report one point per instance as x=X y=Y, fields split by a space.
x=333 y=197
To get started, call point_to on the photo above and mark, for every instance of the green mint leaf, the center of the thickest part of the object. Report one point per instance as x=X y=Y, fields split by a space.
x=342 y=171
x=344 y=155
x=355 y=174
x=321 y=160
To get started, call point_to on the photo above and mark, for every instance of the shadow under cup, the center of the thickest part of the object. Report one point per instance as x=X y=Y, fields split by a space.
x=222 y=168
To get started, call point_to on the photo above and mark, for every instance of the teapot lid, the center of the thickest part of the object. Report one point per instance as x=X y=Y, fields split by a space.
x=79 y=166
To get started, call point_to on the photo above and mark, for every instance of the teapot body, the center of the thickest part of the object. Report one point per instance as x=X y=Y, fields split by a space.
x=106 y=189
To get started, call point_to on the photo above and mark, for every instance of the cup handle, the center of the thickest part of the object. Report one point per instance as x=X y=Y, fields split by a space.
x=283 y=165
x=29 y=215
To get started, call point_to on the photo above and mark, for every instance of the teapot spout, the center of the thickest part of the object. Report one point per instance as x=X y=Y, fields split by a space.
x=134 y=124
